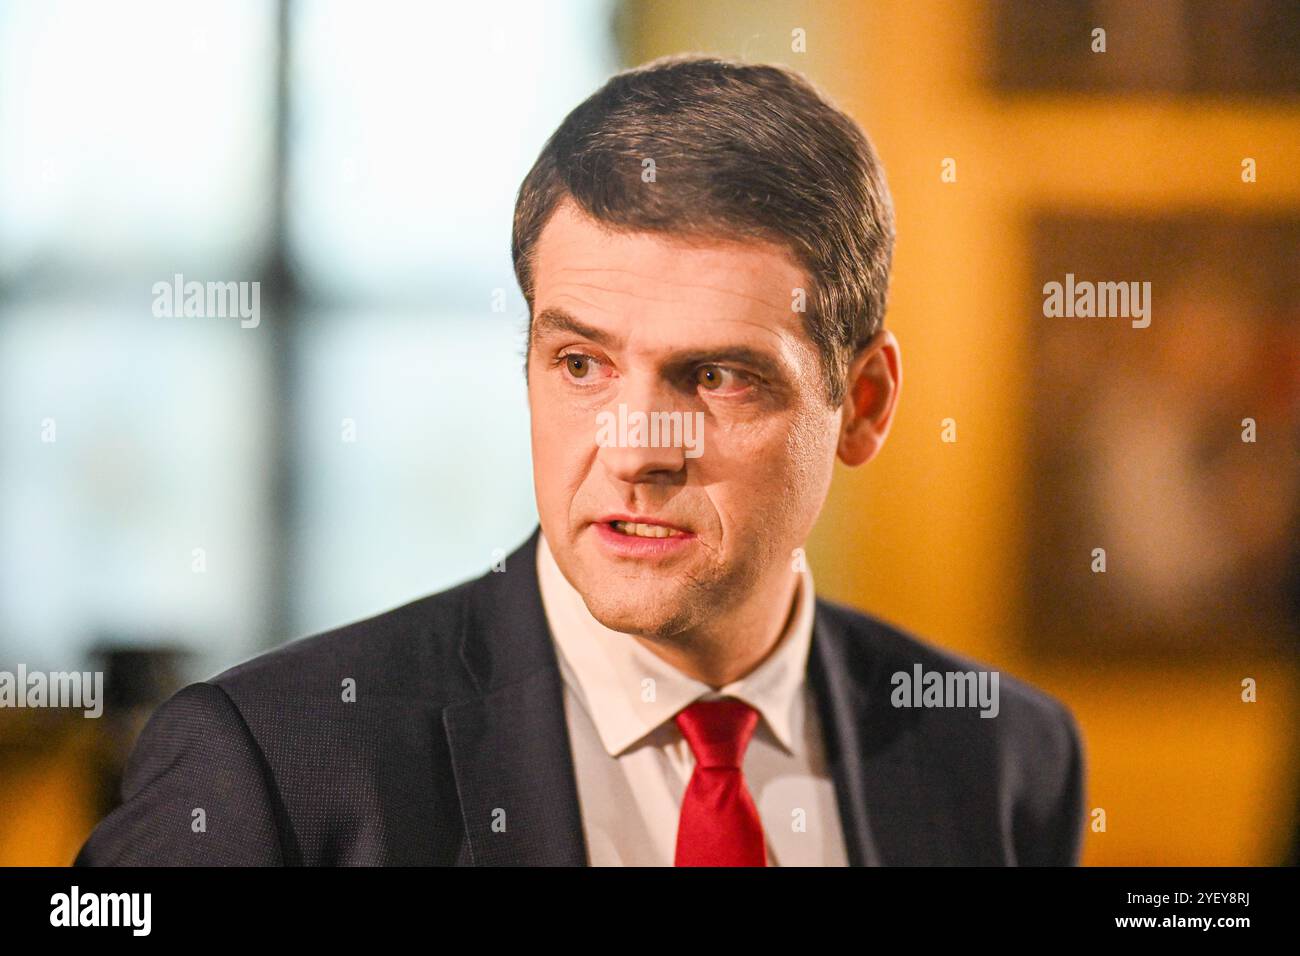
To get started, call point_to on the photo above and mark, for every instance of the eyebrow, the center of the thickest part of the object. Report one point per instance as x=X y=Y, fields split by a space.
x=553 y=320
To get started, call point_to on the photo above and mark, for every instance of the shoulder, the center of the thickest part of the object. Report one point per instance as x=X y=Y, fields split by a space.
x=401 y=652
x=288 y=749
x=1010 y=763
x=887 y=658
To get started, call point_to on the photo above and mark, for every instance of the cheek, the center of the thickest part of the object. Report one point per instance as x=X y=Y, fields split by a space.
x=546 y=437
x=771 y=475
x=803 y=464
x=563 y=447
x=810 y=450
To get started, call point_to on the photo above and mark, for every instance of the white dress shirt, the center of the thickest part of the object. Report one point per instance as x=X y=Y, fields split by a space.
x=632 y=763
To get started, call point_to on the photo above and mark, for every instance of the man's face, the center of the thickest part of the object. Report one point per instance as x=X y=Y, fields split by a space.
x=659 y=325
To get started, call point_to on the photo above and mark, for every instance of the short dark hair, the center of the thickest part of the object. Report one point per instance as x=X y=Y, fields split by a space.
x=741 y=151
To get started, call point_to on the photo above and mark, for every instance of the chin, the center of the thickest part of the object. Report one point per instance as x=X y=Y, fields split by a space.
x=646 y=614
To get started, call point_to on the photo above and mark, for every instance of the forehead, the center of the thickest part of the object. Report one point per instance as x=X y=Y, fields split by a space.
x=680 y=282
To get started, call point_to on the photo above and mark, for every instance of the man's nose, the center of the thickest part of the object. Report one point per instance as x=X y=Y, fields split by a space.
x=648 y=453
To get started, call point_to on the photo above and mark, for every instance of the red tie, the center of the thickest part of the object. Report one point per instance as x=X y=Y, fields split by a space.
x=719 y=825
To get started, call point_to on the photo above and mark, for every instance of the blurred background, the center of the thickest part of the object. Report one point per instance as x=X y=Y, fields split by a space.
x=178 y=494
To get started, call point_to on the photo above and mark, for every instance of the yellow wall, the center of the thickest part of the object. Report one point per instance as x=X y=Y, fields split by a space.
x=46 y=800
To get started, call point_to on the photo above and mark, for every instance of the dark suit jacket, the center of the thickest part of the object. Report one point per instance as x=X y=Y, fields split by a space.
x=459 y=715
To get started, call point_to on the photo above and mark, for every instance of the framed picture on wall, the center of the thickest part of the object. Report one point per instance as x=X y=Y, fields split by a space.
x=1164 y=515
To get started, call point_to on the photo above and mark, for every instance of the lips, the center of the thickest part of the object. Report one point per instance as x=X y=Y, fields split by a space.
x=623 y=538
x=638 y=530
x=642 y=527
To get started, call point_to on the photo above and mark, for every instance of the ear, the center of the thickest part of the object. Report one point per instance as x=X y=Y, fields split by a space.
x=875 y=376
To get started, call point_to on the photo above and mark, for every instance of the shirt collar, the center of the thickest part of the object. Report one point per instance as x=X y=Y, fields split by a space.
x=629 y=691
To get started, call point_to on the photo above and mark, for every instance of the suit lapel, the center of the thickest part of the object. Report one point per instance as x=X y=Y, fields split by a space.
x=510 y=741
x=870 y=751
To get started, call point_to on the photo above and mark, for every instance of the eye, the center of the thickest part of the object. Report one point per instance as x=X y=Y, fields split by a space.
x=580 y=366
x=713 y=377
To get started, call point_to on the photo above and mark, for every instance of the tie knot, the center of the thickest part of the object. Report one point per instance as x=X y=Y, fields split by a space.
x=718 y=730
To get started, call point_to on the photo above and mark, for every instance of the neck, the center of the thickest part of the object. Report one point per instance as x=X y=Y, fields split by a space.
x=724 y=651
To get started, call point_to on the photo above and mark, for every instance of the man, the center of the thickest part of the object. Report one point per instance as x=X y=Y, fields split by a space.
x=650 y=680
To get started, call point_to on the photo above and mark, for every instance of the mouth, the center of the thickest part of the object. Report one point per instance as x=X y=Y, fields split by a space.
x=623 y=537
x=638 y=529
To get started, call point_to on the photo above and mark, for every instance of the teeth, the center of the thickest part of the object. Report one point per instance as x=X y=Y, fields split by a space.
x=644 y=530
